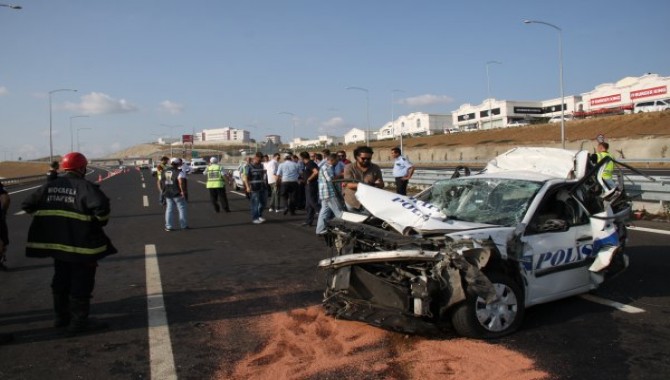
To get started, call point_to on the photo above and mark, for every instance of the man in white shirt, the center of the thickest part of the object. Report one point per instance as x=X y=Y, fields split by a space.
x=271 y=170
x=402 y=171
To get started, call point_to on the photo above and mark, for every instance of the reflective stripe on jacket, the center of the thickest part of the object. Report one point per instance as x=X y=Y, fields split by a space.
x=68 y=215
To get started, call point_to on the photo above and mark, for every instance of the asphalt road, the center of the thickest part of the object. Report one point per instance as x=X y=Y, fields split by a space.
x=225 y=269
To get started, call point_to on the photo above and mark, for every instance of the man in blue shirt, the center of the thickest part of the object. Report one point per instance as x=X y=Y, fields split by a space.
x=288 y=173
x=402 y=171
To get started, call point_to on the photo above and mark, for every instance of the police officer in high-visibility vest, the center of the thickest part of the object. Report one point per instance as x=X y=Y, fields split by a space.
x=608 y=170
x=216 y=184
x=68 y=215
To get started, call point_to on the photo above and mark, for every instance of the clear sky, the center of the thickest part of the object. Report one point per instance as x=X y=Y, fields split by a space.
x=139 y=65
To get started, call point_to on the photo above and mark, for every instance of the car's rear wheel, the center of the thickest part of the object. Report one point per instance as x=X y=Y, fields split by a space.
x=473 y=318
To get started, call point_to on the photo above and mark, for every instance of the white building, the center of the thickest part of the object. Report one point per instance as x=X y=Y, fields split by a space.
x=357 y=135
x=276 y=139
x=492 y=113
x=417 y=123
x=168 y=140
x=226 y=134
x=616 y=97
x=320 y=141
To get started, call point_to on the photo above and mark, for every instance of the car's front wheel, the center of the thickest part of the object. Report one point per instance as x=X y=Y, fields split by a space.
x=473 y=318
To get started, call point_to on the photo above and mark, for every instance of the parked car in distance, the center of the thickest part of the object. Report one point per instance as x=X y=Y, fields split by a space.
x=652 y=106
x=451 y=130
x=517 y=123
x=557 y=119
x=198 y=165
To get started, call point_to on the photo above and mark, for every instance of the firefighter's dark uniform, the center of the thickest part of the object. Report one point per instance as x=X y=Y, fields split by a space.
x=68 y=215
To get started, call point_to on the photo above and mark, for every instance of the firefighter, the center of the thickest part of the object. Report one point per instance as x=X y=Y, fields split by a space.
x=69 y=213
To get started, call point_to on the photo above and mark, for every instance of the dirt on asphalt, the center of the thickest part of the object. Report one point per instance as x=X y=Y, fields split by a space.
x=307 y=344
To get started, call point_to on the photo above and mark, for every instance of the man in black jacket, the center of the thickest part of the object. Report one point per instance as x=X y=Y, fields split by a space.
x=68 y=215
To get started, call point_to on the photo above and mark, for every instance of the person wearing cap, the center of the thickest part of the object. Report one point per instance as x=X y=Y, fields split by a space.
x=69 y=213
x=174 y=193
x=216 y=185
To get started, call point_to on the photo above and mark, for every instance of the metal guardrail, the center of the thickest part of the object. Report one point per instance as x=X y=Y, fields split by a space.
x=8 y=182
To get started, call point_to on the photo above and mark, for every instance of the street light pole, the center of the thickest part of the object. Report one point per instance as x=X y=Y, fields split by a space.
x=293 y=121
x=79 y=129
x=51 y=145
x=367 y=110
x=488 y=90
x=560 y=73
x=171 y=126
x=71 y=134
x=393 y=116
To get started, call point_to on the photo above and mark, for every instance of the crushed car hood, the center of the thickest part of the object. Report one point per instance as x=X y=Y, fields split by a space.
x=406 y=214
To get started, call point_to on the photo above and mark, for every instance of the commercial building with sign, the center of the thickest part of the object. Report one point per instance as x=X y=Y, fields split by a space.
x=606 y=98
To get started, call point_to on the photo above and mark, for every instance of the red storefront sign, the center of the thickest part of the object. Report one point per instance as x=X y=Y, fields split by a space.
x=606 y=100
x=186 y=138
x=648 y=92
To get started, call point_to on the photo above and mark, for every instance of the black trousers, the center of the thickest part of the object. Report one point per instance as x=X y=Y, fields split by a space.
x=217 y=195
x=289 y=191
x=311 y=201
x=74 y=279
x=401 y=185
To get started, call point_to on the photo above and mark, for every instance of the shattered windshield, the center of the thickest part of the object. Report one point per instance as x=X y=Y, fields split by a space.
x=484 y=200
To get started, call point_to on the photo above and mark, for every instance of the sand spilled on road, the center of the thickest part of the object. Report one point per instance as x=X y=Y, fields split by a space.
x=305 y=343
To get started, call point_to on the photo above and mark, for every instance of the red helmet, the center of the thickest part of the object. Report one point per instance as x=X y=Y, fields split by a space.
x=73 y=161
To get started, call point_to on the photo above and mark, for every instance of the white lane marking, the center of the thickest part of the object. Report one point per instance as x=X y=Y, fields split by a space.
x=643 y=229
x=614 y=304
x=160 y=346
x=144 y=186
x=145 y=201
x=238 y=193
x=20 y=191
x=20 y=212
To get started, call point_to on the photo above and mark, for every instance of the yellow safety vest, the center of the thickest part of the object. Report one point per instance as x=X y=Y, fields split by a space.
x=608 y=171
x=214 y=177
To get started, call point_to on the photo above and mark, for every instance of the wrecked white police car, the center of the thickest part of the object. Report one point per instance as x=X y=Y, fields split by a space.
x=536 y=225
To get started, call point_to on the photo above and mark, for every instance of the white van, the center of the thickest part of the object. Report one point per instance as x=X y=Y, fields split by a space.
x=652 y=106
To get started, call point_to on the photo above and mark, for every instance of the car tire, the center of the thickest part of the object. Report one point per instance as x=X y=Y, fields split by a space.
x=473 y=318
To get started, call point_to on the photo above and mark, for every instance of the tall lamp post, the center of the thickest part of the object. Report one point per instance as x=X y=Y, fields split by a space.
x=393 y=116
x=51 y=144
x=79 y=129
x=71 y=133
x=171 y=126
x=488 y=89
x=293 y=123
x=367 y=110
x=11 y=6
x=560 y=73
